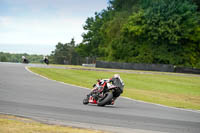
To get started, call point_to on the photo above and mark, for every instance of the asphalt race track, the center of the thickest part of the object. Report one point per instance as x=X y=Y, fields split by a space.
x=23 y=93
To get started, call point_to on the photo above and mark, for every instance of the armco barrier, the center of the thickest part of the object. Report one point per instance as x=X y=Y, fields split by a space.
x=146 y=67
x=186 y=70
x=135 y=66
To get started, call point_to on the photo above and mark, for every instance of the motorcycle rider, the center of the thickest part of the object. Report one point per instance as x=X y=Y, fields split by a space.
x=23 y=57
x=45 y=59
x=24 y=60
x=115 y=81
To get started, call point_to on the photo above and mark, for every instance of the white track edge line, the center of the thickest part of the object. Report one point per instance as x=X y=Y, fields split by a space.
x=195 y=111
x=55 y=80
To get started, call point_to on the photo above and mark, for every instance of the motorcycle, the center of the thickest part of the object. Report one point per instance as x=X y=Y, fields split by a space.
x=25 y=61
x=46 y=61
x=102 y=94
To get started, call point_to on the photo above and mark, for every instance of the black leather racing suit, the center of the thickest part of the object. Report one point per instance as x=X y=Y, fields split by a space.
x=118 y=83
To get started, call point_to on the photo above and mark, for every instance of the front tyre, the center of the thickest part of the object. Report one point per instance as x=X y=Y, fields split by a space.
x=108 y=97
x=85 y=101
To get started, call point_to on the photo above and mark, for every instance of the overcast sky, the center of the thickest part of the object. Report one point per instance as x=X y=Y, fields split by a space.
x=45 y=22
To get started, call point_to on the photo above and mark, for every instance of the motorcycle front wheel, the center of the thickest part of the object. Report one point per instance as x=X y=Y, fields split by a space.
x=108 y=97
x=85 y=101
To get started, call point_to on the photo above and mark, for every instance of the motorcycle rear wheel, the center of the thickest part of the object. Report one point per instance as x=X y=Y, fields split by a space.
x=106 y=99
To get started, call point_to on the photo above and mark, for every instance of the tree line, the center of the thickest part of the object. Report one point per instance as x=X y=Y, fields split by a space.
x=144 y=31
x=138 y=31
x=68 y=53
x=8 y=57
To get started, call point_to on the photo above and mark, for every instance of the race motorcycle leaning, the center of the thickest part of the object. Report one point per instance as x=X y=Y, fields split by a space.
x=102 y=94
x=25 y=61
x=46 y=61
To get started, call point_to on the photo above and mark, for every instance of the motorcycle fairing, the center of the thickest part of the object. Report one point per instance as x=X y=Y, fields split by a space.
x=92 y=100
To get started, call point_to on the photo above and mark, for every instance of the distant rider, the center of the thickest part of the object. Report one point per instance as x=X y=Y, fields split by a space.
x=24 y=60
x=45 y=59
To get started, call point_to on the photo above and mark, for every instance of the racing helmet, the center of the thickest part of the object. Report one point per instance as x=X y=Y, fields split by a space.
x=23 y=57
x=116 y=76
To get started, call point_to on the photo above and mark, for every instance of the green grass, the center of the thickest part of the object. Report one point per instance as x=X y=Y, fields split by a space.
x=171 y=90
x=12 y=124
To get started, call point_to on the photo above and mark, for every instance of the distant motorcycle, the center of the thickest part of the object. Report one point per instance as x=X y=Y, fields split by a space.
x=102 y=94
x=46 y=61
x=25 y=61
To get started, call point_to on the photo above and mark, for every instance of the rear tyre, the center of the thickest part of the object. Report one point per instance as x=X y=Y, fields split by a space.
x=108 y=97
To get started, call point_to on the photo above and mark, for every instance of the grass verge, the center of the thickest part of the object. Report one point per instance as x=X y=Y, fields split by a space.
x=12 y=124
x=171 y=90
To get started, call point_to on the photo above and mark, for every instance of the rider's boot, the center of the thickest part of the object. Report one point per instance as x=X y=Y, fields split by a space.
x=113 y=100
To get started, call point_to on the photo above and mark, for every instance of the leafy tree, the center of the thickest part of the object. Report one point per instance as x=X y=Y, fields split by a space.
x=92 y=39
x=197 y=2
x=121 y=5
x=166 y=26
x=3 y=58
x=144 y=31
x=65 y=53
x=8 y=57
